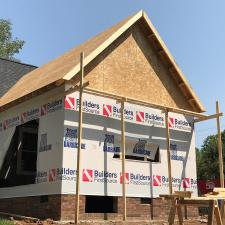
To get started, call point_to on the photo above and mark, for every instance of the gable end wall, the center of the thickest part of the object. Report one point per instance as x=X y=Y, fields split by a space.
x=132 y=67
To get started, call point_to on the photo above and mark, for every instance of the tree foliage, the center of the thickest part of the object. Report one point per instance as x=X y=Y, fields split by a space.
x=208 y=159
x=9 y=46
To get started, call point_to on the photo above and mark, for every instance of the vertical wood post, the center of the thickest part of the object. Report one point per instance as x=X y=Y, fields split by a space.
x=79 y=138
x=220 y=146
x=123 y=159
x=168 y=152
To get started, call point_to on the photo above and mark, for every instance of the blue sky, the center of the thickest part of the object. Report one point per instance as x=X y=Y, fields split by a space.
x=194 y=32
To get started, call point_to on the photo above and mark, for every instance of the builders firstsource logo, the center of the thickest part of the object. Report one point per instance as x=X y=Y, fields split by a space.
x=140 y=179
x=107 y=110
x=149 y=118
x=179 y=124
x=66 y=174
x=89 y=106
x=186 y=183
x=128 y=113
x=126 y=177
x=157 y=181
x=69 y=103
x=89 y=175
x=11 y=122
x=140 y=116
x=163 y=181
x=29 y=115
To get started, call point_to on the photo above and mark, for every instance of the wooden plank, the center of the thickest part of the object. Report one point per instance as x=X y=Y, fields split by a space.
x=79 y=139
x=214 y=116
x=211 y=212
x=220 y=147
x=180 y=216
x=172 y=212
x=218 y=215
x=218 y=190
x=195 y=202
x=168 y=153
x=184 y=194
x=123 y=147
x=144 y=103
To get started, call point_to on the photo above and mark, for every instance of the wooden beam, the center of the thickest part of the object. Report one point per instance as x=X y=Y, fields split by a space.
x=151 y=35
x=59 y=82
x=220 y=146
x=123 y=159
x=168 y=153
x=76 y=88
x=181 y=85
x=214 y=116
x=143 y=103
x=79 y=138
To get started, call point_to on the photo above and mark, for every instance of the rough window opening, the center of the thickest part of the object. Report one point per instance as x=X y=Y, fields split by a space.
x=132 y=157
x=20 y=162
x=100 y=204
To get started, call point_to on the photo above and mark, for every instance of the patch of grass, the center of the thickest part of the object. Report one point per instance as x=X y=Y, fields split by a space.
x=5 y=222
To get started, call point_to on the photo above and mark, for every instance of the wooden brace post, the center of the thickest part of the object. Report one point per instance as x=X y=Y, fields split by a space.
x=79 y=138
x=123 y=158
x=220 y=146
x=168 y=152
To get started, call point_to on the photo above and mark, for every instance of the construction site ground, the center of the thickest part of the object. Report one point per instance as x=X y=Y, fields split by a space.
x=12 y=221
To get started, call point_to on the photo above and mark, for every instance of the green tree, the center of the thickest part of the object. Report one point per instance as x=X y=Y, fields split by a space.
x=208 y=159
x=9 y=46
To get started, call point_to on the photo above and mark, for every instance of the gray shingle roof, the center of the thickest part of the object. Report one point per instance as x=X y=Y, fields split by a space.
x=11 y=72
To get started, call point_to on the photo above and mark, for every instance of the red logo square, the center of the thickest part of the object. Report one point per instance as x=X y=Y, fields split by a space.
x=157 y=180
x=140 y=116
x=107 y=110
x=87 y=175
x=126 y=176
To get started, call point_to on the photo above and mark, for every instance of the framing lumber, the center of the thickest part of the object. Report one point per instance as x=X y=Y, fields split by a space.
x=79 y=138
x=144 y=103
x=220 y=147
x=75 y=88
x=168 y=152
x=214 y=116
x=123 y=159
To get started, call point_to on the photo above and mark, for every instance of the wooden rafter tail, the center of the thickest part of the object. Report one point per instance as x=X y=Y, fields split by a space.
x=79 y=138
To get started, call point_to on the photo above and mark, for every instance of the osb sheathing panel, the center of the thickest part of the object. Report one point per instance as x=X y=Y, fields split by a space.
x=132 y=67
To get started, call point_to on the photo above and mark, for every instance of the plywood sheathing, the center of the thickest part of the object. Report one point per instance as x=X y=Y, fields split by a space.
x=130 y=67
x=67 y=66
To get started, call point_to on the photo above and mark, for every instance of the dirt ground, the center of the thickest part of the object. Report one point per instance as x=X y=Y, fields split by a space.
x=50 y=222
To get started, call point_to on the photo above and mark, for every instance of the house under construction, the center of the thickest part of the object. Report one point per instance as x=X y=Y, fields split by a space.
x=123 y=159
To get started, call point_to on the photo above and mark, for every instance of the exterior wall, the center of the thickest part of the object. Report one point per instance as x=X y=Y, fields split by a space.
x=101 y=169
x=133 y=68
x=48 y=109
